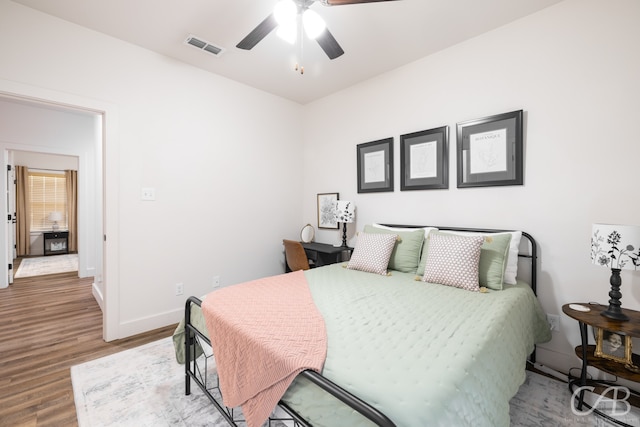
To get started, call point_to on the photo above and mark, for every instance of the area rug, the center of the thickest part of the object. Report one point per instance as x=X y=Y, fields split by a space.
x=53 y=264
x=144 y=386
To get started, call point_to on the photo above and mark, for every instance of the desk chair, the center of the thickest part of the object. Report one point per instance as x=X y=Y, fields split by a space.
x=295 y=255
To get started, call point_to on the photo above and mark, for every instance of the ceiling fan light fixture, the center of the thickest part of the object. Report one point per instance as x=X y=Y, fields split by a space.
x=288 y=32
x=285 y=12
x=313 y=23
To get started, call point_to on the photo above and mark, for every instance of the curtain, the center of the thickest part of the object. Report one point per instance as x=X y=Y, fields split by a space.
x=72 y=208
x=23 y=212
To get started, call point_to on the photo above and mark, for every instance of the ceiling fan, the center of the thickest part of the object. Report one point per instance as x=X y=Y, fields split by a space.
x=286 y=17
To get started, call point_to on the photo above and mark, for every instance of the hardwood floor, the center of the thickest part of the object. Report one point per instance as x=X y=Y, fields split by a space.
x=48 y=324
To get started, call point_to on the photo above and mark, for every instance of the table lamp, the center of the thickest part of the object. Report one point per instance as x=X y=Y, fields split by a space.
x=345 y=212
x=618 y=248
x=55 y=217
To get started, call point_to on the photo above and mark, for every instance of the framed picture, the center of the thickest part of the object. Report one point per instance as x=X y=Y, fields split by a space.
x=490 y=151
x=613 y=346
x=326 y=208
x=375 y=166
x=425 y=159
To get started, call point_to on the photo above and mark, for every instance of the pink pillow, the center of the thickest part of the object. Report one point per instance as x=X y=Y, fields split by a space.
x=453 y=260
x=372 y=252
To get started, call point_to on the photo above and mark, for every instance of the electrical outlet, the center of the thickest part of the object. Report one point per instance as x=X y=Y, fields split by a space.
x=179 y=289
x=148 y=194
x=216 y=282
x=554 y=322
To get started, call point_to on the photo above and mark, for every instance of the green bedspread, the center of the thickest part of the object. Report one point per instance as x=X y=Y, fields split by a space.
x=197 y=320
x=423 y=354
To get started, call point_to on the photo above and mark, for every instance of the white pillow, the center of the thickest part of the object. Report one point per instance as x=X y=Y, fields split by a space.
x=511 y=271
x=385 y=227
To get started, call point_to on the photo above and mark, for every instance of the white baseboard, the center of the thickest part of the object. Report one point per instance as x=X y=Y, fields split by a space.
x=95 y=291
x=552 y=372
x=149 y=323
x=87 y=272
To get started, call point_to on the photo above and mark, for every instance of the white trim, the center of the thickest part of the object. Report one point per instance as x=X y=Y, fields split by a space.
x=95 y=291
x=148 y=323
x=107 y=155
x=50 y=171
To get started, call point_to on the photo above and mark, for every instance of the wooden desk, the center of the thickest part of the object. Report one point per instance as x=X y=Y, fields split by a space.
x=323 y=254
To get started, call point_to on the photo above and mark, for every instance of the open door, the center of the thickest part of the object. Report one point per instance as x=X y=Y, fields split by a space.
x=11 y=218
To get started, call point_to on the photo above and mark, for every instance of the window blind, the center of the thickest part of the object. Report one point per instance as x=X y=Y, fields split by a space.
x=47 y=193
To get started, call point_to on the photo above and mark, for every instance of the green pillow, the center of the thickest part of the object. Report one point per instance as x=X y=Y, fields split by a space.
x=406 y=253
x=493 y=258
x=423 y=256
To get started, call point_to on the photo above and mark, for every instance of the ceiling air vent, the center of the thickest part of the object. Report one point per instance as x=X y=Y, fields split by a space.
x=204 y=45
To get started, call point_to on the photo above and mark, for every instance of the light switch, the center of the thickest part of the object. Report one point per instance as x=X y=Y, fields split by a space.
x=148 y=194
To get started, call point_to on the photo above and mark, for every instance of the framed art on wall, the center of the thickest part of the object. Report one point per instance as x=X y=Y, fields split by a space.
x=424 y=159
x=326 y=209
x=375 y=166
x=490 y=151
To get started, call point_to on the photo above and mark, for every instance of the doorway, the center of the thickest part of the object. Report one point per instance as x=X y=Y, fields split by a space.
x=44 y=219
x=92 y=219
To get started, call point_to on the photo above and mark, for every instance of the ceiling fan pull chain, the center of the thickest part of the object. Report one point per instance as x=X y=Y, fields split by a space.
x=301 y=38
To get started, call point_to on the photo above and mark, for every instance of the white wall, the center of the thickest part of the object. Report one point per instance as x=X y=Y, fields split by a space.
x=574 y=69
x=37 y=160
x=223 y=158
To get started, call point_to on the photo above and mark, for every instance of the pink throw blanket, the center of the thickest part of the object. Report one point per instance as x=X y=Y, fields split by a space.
x=263 y=334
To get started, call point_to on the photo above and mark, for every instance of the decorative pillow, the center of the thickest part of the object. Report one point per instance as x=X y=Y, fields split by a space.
x=511 y=271
x=372 y=252
x=425 y=244
x=453 y=260
x=493 y=257
x=406 y=253
x=425 y=250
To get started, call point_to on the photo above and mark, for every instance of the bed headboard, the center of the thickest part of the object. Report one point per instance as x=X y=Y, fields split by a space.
x=528 y=248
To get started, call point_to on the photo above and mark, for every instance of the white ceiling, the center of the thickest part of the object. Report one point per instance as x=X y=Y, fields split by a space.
x=376 y=37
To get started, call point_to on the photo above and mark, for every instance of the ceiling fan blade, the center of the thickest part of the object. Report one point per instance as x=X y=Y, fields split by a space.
x=341 y=2
x=258 y=33
x=329 y=44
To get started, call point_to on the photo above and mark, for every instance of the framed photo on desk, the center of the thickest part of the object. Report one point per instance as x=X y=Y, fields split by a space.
x=613 y=346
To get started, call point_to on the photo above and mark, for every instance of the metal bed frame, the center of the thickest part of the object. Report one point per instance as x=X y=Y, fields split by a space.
x=200 y=375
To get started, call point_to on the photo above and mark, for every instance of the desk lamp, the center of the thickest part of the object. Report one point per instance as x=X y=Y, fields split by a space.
x=345 y=212
x=55 y=217
x=618 y=248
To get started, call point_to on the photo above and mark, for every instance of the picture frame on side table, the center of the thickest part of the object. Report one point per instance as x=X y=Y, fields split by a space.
x=613 y=346
x=326 y=209
x=425 y=159
x=490 y=151
x=375 y=166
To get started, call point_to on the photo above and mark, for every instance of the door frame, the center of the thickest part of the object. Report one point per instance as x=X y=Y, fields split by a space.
x=11 y=216
x=107 y=180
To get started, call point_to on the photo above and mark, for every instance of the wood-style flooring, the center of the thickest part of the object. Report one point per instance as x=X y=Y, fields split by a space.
x=48 y=324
